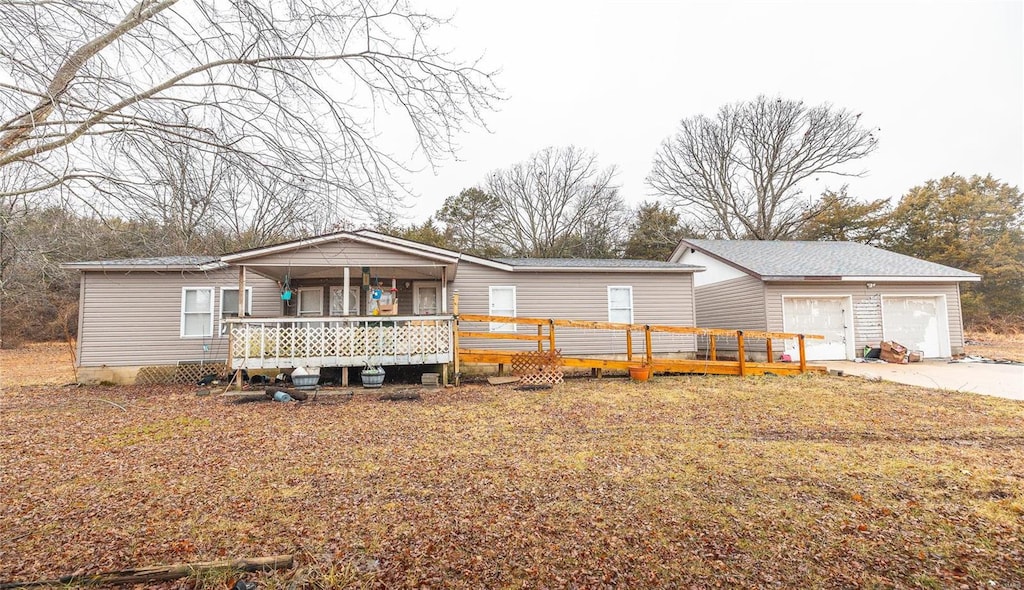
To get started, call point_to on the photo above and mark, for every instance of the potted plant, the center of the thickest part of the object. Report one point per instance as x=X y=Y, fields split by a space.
x=372 y=376
x=640 y=372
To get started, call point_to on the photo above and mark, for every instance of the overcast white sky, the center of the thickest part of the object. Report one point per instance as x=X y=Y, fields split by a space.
x=944 y=81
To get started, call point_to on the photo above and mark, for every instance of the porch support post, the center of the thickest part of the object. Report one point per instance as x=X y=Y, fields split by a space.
x=444 y=290
x=242 y=311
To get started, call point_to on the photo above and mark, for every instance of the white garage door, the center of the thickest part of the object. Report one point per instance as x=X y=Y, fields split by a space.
x=915 y=323
x=818 y=315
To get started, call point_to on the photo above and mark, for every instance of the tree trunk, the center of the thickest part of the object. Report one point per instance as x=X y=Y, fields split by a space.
x=161 y=573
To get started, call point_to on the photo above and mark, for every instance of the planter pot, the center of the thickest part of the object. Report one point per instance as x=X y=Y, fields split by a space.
x=372 y=377
x=639 y=373
x=305 y=381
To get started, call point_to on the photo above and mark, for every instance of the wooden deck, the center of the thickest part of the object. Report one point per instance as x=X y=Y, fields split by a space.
x=546 y=339
x=264 y=343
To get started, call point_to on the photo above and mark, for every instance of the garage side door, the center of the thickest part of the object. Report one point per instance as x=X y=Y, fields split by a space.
x=818 y=315
x=917 y=323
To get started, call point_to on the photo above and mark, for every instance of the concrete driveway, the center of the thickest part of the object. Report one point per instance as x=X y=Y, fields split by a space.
x=989 y=379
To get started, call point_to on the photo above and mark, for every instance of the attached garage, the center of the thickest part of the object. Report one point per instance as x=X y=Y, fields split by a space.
x=853 y=294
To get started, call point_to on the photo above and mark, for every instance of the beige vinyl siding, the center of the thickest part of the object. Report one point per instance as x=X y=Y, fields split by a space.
x=341 y=253
x=134 y=318
x=867 y=305
x=658 y=298
x=734 y=304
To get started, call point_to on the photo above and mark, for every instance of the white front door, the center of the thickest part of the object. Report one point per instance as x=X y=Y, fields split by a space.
x=917 y=323
x=827 y=316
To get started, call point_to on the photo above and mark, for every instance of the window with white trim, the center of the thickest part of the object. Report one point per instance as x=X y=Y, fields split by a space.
x=502 y=301
x=196 y=312
x=229 y=305
x=311 y=301
x=620 y=305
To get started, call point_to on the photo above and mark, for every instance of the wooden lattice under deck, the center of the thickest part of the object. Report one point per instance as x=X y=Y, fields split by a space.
x=180 y=374
x=538 y=368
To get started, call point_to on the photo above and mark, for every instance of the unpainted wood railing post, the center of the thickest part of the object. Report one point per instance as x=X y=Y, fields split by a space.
x=741 y=353
x=540 y=338
x=713 y=347
x=803 y=356
x=455 y=335
x=768 y=347
x=551 y=336
x=648 y=350
x=629 y=344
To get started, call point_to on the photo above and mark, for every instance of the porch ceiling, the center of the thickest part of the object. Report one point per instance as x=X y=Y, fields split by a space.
x=419 y=272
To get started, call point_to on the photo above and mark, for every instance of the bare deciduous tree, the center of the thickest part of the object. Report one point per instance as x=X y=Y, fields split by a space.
x=739 y=175
x=557 y=203
x=300 y=90
x=176 y=184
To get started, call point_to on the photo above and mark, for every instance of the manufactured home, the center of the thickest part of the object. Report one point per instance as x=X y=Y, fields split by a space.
x=352 y=299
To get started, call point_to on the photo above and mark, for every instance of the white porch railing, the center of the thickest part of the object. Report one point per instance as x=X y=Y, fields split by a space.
x=264 y=343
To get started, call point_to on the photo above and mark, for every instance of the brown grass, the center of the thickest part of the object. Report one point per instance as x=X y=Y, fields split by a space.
x=679 y=482
x=42 y=363
x=996 y=345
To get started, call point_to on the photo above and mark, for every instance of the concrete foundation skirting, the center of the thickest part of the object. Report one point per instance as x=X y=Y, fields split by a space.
x=184 y=374
x=108 y=375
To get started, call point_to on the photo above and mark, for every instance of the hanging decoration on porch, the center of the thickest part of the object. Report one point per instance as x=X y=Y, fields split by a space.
x=383 y=301
x=286 y=289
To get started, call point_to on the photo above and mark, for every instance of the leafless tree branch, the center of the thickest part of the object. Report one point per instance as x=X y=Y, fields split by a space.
x=739 y=175
x=298 y=90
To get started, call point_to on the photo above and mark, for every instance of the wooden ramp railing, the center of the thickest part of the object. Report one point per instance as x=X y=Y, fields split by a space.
x=546 y=329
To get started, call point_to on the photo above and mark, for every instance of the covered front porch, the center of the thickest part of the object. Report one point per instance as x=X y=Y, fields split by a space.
x=346 y=300
x=271 y=343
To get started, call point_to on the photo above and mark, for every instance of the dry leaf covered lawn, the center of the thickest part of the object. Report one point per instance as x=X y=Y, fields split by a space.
x=682 y=481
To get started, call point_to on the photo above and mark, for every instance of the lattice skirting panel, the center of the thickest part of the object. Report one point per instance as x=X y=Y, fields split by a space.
x=538 y=368
x=180 y=374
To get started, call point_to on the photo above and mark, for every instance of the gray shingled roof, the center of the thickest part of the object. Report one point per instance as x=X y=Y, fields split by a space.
x=778 y=259
x=154 y=262
x=610 y=263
